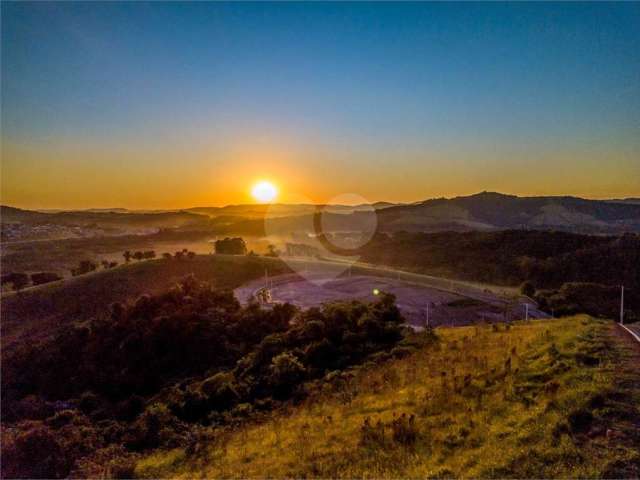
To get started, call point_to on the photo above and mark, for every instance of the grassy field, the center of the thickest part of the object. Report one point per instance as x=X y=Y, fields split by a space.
x=37 y=311
x=539 y=399
x=60 y=256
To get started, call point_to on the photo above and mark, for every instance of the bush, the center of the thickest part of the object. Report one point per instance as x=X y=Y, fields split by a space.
x=286 y=372
x=580 y=420
x=527 y=289
x=231 y=246
x=85 y=266
x=33 y=453
x=17 y=280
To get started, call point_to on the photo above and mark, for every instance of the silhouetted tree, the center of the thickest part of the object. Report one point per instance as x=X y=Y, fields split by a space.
x=16 y=279
x=44 y=277
x=127 y=256
x=85 y=266
x=231 y=246
x=527 y=289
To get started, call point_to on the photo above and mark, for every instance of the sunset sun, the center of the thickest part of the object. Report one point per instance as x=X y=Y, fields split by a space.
x=264 y=191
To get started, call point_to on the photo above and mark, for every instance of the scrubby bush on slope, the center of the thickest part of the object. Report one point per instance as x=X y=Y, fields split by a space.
x=147 y=376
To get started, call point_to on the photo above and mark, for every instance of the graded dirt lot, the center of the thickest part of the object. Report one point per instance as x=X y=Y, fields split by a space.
x=312 y=289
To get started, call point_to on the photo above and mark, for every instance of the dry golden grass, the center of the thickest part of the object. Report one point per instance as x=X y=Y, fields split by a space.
x=486 y=403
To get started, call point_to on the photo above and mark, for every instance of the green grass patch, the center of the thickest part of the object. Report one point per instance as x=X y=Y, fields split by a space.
x=519 y=402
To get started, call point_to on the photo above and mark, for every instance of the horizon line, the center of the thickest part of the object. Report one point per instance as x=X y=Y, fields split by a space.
x=391 y=203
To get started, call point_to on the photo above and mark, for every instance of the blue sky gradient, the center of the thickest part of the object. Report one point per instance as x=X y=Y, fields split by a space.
x=486 y=86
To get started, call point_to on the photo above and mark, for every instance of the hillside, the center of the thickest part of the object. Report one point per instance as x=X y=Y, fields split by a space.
x=150 y=373
x=491 y=211
x=21 y=225
x=546 y=259
x=38 y=311
x=283 y=210
x=105 y=217
x=484 y=211
x=542 y=399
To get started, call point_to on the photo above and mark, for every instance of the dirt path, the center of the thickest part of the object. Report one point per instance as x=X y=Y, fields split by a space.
x=624 y=419
x=634 y=331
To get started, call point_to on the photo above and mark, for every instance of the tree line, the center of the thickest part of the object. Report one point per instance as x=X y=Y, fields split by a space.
x=561 y=269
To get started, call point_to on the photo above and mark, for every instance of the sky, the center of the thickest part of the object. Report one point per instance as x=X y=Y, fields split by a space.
x=173 y=105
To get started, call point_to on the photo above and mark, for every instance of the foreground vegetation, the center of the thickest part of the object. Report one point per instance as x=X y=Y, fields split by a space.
x=37 y=312
x=168 y=367
x=539 y=399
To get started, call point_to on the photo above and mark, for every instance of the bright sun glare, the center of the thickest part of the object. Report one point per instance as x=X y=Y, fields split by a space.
x=264 y=192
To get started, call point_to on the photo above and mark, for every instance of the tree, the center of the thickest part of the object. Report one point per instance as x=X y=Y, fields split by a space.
x=138 y=255
x=44 y=277
x=34 y=453
x=191 y=255
x=231 y=246
x=17 y=280
x=272 y=251
x=166 y=256
x=85 y=266
x=527 y=289
x=286 y=372
x=149 y=254
x=127 y=256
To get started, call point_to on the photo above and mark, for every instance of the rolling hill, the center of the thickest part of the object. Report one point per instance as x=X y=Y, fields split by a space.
x=109 y=218
x=41 y=310
x=277 y=210
x=484 y=211
x=496 y=211
x=551 y=399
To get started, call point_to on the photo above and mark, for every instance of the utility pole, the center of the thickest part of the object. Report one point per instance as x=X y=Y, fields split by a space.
x=428 y=323
x=526 y=312
x=621 y=304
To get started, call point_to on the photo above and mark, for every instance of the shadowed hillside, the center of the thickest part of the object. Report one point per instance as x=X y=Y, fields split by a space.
x=551 y=399
x=495 y=211
x=38 y=311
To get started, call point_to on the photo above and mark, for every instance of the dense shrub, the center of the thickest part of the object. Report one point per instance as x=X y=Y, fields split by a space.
x=231 y=246
x=33 y=452
x=18 y=280
x=186 y=356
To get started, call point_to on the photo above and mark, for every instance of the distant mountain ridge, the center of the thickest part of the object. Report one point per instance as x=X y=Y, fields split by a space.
x=497 y=211
x=484 y=211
